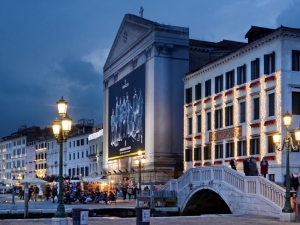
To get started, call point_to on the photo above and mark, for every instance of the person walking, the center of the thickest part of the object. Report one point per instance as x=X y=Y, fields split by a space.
x=124 y=192
x=246 y=167
x=47 y=191
x=36 y=192
x=233 y=163
x=30 y=193
x=264 y=167
x=253 y=167
x=54 y=193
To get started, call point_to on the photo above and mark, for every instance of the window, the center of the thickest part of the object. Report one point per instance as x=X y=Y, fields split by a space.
x=241 y=148
x=255 y=69
x=219 y=151
x=78 y=142
x=70 y=174
x=78 y=155
x=254 y=146
x=271 y=145
x=73 y=172
x=218 y=118
x=242 y=112
x=23 y=151
x=190 y=125
x=70 y=157
x=73 y=143
x=207 y=152
x=197 y=154
x=269 y=63
x=188 y=95
x=229 y=149
x=207 y=88
x=70 y=145
x=229 y=116
x=208 y=119
x=230 y=79
x=82 y=154
x=295 y=103
x=74 y=155
x=218 y=84
x=87 y=153
x=199 y=123
x=188 y=155
x=271 y=98
x=296 y=60
x=241 y=75
x=256 y=108
x=82 y=141
x=198 y=91
x=86 y=171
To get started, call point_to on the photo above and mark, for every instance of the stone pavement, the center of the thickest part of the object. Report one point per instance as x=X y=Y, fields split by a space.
x=5 y=204
x=207 y=219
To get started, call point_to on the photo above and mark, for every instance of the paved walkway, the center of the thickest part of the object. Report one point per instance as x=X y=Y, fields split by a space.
x=5 y=204
x=211 y=219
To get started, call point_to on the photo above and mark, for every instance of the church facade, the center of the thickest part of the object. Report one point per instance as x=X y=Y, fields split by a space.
x=143 y=101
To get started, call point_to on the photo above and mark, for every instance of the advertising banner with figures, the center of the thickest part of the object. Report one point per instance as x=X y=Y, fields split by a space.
x=127 y=115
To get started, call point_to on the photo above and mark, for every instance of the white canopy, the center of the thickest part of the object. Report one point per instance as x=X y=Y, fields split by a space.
x=94 y=179
x=33 y=180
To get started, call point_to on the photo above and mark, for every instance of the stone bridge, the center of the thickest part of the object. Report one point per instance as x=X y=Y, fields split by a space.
x=223 y=190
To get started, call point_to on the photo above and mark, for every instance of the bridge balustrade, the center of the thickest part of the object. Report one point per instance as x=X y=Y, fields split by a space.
x=256 y=185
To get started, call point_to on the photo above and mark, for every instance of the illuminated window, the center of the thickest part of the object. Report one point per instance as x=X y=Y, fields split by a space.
x=271 y=145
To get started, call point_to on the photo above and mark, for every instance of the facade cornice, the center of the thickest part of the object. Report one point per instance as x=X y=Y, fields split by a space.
x=276 y=35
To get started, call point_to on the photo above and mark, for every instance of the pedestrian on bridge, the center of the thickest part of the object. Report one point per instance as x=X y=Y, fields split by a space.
x=264 y=167
x=233 y=163
x=246 y=167
x=253 y=167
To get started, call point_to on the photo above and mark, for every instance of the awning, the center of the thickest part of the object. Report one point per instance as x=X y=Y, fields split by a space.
x=94 y=179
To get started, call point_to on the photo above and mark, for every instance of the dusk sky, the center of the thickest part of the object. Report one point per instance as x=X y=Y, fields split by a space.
x=50 y=49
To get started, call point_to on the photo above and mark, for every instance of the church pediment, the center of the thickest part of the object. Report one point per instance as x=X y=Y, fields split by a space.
x=131 y=31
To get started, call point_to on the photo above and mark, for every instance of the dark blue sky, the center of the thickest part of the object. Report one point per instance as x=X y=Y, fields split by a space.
x=50 y=49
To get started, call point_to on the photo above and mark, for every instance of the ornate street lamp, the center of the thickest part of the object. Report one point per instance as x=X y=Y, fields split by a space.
x=288 y=141
x=61 y=129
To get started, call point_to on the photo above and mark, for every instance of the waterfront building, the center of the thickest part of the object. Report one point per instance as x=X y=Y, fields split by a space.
x=234 y=103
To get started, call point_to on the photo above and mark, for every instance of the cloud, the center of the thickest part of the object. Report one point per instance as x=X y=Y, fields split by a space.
x=97 y=58
x=78 y=72
x=290 y=16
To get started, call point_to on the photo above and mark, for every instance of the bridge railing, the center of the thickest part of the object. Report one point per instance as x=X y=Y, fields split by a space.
x=247 y=184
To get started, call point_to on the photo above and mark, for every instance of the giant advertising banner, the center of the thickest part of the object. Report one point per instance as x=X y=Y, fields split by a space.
x=127 y=115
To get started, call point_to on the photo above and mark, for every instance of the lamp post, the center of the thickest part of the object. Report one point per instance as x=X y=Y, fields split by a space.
x=139 y=162
x=61 y=129
x=288 y=142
